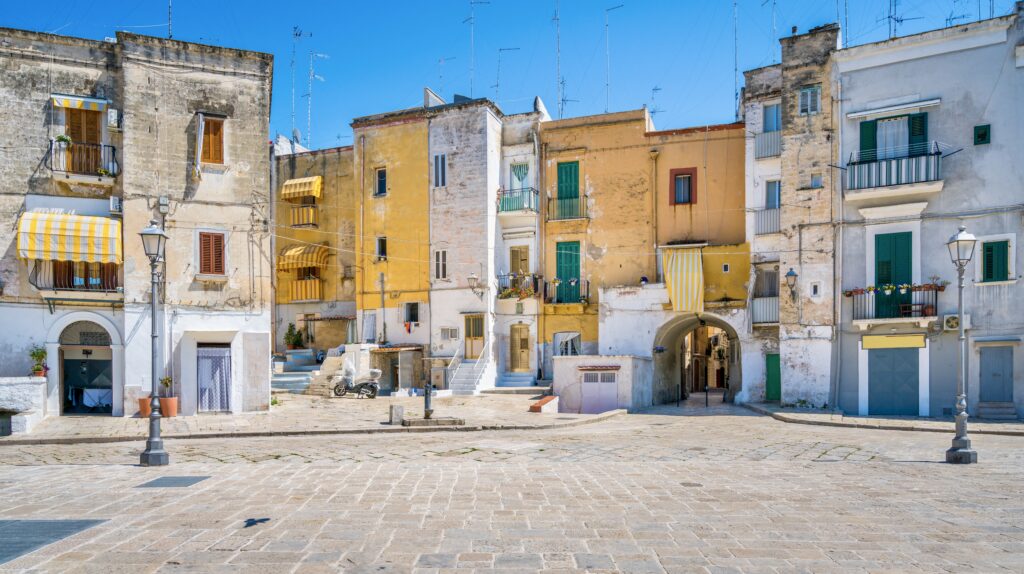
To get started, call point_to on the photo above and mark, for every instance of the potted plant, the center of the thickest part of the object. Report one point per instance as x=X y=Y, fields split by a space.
x=38 y=355
x=63 y=139
x=888 y=288
x=168 y=402
x=904 y=287
x=145 y=408
x=292 y=337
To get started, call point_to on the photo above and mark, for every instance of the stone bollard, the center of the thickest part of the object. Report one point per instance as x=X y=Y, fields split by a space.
x=397 y=415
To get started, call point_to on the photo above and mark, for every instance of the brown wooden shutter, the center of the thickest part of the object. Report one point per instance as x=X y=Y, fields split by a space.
x=218 y=253
x=74 y=127
x=205 y=259
x=213 y=141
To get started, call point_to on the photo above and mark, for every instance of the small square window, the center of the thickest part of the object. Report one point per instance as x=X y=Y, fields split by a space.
x=816 y=181
x=810 y=100
x=412 y=312
x=982 y=134
x=725 y=268
x=382 y=249
x=381 y=187
x=683 y=188
x=440 y=170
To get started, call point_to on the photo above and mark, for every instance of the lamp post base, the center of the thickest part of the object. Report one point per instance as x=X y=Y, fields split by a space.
x=154 y=455
x=961 y=453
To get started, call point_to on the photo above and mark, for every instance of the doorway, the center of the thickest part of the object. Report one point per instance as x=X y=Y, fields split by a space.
x=893 y=382
x=213 y=377
x=997 y=374
x=773 y=377
x=86 y=370
x=474 y=336
x=519 y=348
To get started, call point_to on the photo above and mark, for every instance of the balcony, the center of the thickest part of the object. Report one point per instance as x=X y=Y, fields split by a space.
x=85 y=163
x=767 y=144
x=767 y=221
x=567 y=291
x=304 y=216
x=903 y=173
x=917 y=305
x=518 y=286
x=765 y=310
x=305 y=290
x=570 y=208
x=513 y=200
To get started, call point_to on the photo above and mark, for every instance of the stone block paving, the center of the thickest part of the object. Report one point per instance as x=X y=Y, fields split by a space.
x=659 y=492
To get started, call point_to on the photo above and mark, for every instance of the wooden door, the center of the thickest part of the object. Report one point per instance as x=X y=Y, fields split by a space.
x=773 y=377
x=567 y=268
x=893 y=255
x=568 y=206
x=474 y=336
x=519 y=259
x=997 y=374
x=83 y=155
x=519 y=348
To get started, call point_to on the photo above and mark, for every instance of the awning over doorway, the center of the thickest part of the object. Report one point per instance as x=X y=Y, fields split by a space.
x=684 y=278
x=64 y=237
x=302 y=187
x=299 y=256
x=78 y=102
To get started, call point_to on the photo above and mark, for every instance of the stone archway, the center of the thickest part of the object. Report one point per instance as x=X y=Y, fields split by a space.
x=668 y=377
x=53 y=345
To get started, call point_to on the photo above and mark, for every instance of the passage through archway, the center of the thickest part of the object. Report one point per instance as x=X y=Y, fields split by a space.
x=86 y=370
x=694 y=353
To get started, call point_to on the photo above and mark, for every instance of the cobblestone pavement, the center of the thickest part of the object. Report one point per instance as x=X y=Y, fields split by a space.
x=665 y=491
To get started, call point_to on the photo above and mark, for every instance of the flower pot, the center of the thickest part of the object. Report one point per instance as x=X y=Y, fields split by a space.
x=144 y=408
x=903 y=291
x=39 y=373
x=888 y=291
x=169 y=406
x=928 y=311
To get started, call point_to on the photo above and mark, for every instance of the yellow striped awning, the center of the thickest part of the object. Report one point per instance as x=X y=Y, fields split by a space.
x=63 y=237
x=302 y=187
x=78 y=102
x=298 y=256
x=684 y=278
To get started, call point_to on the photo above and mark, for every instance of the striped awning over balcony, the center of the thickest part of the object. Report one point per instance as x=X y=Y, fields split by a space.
x=78 y=102
x=684 y=279
x=302 y=187
x=299 y=256
x=64 y=237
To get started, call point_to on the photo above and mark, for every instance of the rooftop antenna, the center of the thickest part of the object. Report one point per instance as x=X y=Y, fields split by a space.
x=735 y=60
x=654 y=109
x=497 y=83
x=774 y=40
x=558 y=61
x=608 y=60
x=564 y=100
x=894 y=19
x=846 y=23
x=169 y=35
x=297 y=34
x=309 y=102
x=472 y=40
x=440 y=70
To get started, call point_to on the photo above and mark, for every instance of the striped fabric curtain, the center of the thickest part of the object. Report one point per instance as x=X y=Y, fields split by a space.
x=519 y=171
x=197 y=172
x=684 y=278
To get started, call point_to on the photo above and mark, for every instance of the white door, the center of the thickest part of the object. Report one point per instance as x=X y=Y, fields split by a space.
x=214 y=378
x=599 y=392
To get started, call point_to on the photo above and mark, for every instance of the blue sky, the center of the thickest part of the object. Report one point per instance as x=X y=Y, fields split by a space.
x=381 y=54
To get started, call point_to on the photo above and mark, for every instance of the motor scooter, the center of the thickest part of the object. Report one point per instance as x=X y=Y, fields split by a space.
x=367 y=385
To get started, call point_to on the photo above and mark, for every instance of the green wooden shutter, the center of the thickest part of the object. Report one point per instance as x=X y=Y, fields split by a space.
x=918 y=127
x=893 y=265
x=569 y=180
x=567 y=267
x=868 y=140
x=773 y=377
x=996 y=261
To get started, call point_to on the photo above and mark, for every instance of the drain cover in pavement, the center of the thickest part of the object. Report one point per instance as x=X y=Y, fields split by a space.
x=19 y=537
x=173 y=482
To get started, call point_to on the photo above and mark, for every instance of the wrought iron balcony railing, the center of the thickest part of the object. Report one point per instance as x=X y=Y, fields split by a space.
x=567 y=291
x=522 y=199
x=883 y=167
x=304 y=216
x=83 y=159
x=567 y=208
x=518 y=285
x=897 y=304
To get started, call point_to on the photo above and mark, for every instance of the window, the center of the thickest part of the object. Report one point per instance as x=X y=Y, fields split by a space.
x=440 y=170
x=982 y=134
x=725 y=268
x=382 y=183
x=816 y=181
x=816 y=289
x=894 y=137
x=412 y=312
x=684 y=188
x=995 y=262
x=517 y=175
x=810 y=100
x=213 y=140
x=79 y=275
x=772 y=118
x=441 y=264
x=211 y=253
x=303 y=273
x=449 y=334
x=567 y=344
x=772 y=194
x=382 y=249
x=766 y=283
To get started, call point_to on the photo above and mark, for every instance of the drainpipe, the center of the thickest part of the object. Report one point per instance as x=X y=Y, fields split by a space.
x=542 y=246
x=654 y=208
x=837 y=261
x=360 y=237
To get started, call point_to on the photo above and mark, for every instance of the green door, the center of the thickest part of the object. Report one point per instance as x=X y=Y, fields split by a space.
x=893 y=382
x=567 y=206
x=892 y=267
x=773 y=377
x=567 y=267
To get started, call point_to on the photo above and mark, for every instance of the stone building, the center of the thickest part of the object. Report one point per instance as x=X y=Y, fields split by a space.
x=103 y=137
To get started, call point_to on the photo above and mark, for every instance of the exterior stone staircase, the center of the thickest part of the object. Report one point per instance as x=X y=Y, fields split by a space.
x=299 y=369
x=517 y=380
x=466 y=378
x=997 y=411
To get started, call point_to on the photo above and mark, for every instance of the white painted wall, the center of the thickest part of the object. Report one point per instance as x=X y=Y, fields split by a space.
x=634 y=380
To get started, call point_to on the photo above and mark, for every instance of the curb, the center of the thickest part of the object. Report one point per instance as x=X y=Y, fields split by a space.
x=784 y=417
x=387 y=429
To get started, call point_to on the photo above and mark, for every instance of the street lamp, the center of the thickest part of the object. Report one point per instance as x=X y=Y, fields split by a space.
x=961 y=250
x=153 y=242
x=791 y=282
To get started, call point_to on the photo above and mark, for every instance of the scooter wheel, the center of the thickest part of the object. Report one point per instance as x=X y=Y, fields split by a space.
x=340 y=390
x=372 y=393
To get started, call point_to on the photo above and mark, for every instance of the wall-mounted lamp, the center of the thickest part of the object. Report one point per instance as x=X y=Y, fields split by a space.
x=474 y=285
x=791 y=282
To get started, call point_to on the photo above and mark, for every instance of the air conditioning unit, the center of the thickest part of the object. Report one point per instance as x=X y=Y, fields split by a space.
x=952 y=322
x=115 y=205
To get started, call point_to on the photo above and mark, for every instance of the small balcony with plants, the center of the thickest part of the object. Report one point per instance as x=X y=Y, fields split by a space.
x=566 y=291
x=78 y=162
x=911 y=303
x=518 y=293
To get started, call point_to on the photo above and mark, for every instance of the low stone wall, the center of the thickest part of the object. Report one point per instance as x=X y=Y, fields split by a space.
x=25 y=398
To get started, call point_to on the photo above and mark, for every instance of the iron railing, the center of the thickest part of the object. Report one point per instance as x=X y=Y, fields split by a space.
x=895 y=304
x=767 y=221
x=518 y=285
x=305 y=216
x=765 y=310
x=567 y=291
x=522 y=199
x=83 y=159
x=767 y=144
x=567 y=208
x=915 y=163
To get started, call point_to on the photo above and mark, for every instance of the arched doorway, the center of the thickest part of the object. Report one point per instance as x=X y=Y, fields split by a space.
x=692 y=351
x=86 y=370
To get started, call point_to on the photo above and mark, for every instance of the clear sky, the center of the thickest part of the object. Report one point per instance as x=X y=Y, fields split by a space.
x=381 y=53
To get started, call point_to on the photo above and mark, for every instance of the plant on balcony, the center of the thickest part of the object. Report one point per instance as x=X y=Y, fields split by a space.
x=519 y=292
x=292 y=337
x=64 y=139
x=38 y=355
x=888 y=288
x=103 y=172
x=556 y=281
x=904 y=287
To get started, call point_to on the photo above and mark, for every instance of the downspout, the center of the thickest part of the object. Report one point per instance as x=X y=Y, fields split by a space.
x=654 y=210
x=837 y=260
x=541 y=151
x=360 y=237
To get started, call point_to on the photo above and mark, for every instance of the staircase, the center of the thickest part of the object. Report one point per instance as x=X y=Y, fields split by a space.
x=517 y=380
x=299 y=369
x=997 y=411
x=466 y=377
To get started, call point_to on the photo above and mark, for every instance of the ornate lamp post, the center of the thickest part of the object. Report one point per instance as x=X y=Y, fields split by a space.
x=153 y=242
x=961 y=250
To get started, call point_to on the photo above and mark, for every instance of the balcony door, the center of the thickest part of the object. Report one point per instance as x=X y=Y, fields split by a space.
x=568 y=190
x=84 y=153
x=893 y=263
x=567 y=269
x=519 y=259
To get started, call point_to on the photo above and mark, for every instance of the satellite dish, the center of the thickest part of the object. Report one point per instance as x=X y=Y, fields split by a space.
x=296 y=135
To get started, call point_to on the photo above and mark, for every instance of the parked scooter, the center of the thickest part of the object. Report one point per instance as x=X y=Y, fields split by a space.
x=367 y=385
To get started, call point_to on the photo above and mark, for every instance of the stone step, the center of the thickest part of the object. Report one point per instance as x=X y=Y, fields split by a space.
x=517 y=391
x=1005 y=411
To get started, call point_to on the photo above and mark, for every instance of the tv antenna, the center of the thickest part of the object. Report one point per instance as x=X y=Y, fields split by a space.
x=774 y=40
x=472 y=40
x=169 y=35
x=558 y=61
x=440 y=70
x=608 y=60
x=735 y=60
x=564 y=100
x=309 y=102
x=894 y=19
x=297 y=34
x=497 y=82
x=654 y=109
